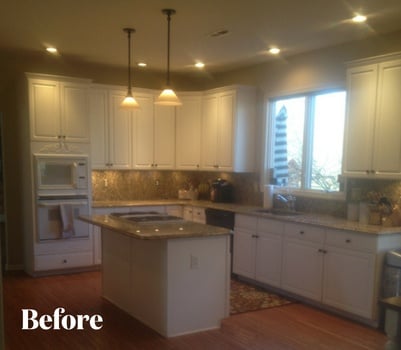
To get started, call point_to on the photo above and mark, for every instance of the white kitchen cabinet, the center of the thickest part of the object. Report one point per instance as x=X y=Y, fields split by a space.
x=349 y=272
x=228 y=129
x=372 y=142
x=268 y=252
x=58 y=108
x=193 y=213
x=110 y=129
x=188 y=132
x=303 y=260
x=154 y=136
x=257 y=249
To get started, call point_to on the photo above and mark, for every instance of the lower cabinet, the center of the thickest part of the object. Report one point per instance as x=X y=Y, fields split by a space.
x=337 y=268
x=196 y=214
x=257 y=249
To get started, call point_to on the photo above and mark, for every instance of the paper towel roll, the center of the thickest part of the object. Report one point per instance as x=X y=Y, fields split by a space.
x=268 y=196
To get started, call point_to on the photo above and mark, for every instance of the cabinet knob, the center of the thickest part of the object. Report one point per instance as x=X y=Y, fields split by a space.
x=301 y=232
x=348 y=240
x=64 y=261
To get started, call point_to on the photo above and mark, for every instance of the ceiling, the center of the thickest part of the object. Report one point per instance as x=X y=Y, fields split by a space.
x=91 y=30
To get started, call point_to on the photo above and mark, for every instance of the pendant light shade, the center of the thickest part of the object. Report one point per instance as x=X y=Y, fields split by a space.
x=168 y=96
x=129 y=101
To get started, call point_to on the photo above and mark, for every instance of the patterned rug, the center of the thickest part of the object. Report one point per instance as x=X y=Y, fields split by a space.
x=244 y=298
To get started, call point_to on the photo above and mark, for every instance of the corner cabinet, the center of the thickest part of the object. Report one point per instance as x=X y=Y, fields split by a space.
x=58 y=108
x=373 y=126
x=228 y=129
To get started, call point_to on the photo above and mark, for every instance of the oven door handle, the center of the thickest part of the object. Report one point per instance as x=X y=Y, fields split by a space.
x=55 y=203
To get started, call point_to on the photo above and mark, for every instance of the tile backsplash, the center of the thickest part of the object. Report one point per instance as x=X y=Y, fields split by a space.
x=148 y=184
x=108 y=185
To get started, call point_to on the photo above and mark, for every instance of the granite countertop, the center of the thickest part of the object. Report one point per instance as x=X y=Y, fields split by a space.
x=165 y=230
x=326 y=221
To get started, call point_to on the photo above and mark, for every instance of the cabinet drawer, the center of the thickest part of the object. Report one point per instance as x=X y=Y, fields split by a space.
x=351 y=240
x=246 y=221
x=63 y=261
x=304 y=232
x=270 y=226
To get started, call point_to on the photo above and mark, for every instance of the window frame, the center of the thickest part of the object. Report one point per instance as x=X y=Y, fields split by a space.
x=307 y=146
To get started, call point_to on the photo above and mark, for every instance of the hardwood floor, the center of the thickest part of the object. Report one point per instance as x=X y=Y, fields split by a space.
x=295 y=326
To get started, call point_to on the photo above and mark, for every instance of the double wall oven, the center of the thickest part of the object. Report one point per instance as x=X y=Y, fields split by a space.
x=62 y=187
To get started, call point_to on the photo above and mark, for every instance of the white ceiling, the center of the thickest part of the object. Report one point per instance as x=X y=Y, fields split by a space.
x=91 y=30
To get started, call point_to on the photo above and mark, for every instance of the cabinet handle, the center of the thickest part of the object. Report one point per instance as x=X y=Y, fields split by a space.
x=255 y=236
x=301 y=232
x=64 y=261
x=323 y=251
x=348 y=240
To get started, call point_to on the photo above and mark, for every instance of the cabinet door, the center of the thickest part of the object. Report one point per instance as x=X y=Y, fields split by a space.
x=268 y=259
x=98 y=108
x=120 y=132
x=74 y=112
x=359 y=129
x=209 y=132
x=44 y=110
x=302 y=268
x=225 y=130
x=143 y=133
x=387 y=146
x=164 y=137
x=188 y=132
x=349 y=281
x=244 y=253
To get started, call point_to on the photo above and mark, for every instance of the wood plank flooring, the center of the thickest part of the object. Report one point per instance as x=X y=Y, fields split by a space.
x=295 y=326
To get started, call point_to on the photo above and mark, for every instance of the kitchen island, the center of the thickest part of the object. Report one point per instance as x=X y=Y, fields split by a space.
x=172 y=275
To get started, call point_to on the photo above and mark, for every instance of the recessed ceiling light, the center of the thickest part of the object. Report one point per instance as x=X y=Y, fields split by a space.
x=52 y=50
x=142 y=64
x=274 y=50
x=359 y=18
x=199 y=64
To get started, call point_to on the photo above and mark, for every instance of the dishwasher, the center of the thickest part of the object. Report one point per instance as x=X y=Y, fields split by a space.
x=222 y=218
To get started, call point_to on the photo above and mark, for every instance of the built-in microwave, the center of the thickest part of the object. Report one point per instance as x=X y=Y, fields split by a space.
x=61 y=174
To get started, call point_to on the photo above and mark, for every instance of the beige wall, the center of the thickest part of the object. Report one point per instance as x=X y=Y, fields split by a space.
x=318 y=69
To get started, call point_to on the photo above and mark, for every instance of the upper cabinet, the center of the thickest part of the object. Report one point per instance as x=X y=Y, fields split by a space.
x=373 y=126
x=153 y=135
x=188 y=132
x=110 y=128
x=58 y=108
x=228 y=129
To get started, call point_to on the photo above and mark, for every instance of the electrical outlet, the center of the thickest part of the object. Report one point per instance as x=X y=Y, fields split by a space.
x=194 y=262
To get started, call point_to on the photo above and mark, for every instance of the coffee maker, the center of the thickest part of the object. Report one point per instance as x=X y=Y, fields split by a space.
x=221 y=191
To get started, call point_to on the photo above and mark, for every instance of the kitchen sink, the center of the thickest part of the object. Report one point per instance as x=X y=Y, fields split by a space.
x=280 y=212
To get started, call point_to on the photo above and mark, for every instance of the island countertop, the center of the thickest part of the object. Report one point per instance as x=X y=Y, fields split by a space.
x=165 y=230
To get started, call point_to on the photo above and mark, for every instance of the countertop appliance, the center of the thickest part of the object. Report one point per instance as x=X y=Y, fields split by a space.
x=221 y=191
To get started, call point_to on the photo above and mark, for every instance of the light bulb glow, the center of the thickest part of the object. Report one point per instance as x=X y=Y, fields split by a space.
x=168 y=98
x=274 y=50
x=359 y=18
x=129 y=102
x=52 y=50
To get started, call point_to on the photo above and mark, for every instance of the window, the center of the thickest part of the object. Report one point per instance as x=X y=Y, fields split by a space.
x=307 y=140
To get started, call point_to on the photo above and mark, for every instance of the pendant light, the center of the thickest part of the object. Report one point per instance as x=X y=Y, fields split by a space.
x=129 y=101
x=168 y=96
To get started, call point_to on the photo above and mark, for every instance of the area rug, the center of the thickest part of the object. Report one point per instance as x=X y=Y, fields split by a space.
x=245 y=297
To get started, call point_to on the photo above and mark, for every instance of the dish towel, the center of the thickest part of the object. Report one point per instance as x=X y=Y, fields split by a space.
x=67 y=221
